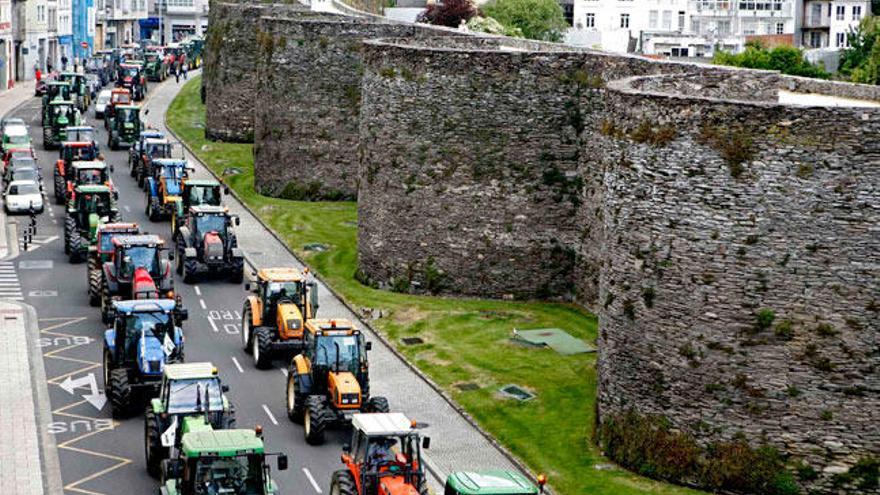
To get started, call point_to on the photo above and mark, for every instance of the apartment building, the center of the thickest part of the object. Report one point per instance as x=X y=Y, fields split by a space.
x=7 y=68
x=174 y=20
x=825 y=23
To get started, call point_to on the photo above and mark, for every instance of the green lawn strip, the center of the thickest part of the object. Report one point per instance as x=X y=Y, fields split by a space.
x=466 y=340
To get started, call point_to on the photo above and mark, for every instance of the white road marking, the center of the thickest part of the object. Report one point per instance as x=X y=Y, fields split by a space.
x=202 y=304
x=127 y=208
x=240 y=369
x=312 y=480
x=269 y=413
x=213 y=325
x=283 y=371
x=198 y=291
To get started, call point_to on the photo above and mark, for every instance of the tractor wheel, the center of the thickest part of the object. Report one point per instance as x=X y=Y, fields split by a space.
x=59 y=189
x=377 y=405
x=190 y=267
x=316 y=419
x=261 y=347
x=106 y=301
x=69 y=227
x=295 y=401
x=132 y=168
x=119 y=393
x=47 y=138
x=153 y=210
x=247 y=328
x=179 y=262
x=141 y=177
x=343 y=483
x=76 y=247
x=229 y=419
x=154 y=452
x=237 y=276
x=94 y=282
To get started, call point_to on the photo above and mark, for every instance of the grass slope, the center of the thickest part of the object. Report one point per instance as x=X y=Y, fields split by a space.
x=466 y=340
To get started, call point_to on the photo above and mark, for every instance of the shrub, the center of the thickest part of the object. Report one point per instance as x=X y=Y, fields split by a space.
x=784 y=330
x=449 y=13
x=537 y=19
x=764 y=319
x=785 y=59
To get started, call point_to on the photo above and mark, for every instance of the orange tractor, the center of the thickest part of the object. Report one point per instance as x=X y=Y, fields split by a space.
x=384 y=458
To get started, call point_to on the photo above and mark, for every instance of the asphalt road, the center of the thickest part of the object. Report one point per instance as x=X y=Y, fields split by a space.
x=99 y=455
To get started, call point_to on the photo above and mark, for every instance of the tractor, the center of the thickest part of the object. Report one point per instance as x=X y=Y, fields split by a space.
x=131 y=77
x=71 y=151
x=194 y=47
x=55 y=91
x=88 y=207
x=383 y=458
x=190 y=399
x=79 y=89
x=61 y=114
x=329 y=381
x=220 y=462
x=196 y=192
x=145 y=336
x=273 y=317
x=83 y=134
x=496 y=482
x=125 y=126
x=118 y=97
x=206 y=243
x=155 y=66
x=101 y=252
x=137 y=270
x=163 y=187
x=88 y=173
x=144 y=152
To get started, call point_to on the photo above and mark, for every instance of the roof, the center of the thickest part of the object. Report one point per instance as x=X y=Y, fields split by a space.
x=23 y=182
x=122 y=107
x=15 y=130
x=208 y=209
x=331 y=324
x=490 y=483
x=60 y=102
x=92 y=188
x=221 y=443
x=280 y=274
x=382 y=424
x=188 y=371
x=170 y=161
x=57 y=83
x=118 y=227
x=89 y=164
x=137 y=239
x=77 y=144
x=144 y=306
x=155 y=140
x=80 y=128
x=202 y=182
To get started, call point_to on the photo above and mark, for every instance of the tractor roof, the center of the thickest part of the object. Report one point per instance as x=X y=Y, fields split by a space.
x=77 y=144
x=336 y=326
x=221 y=443
x=60 y=102
x=123 y=107
x=152 y=133
x=280 y=275
x=203 y=182
x=208 y=209
x=59 y=83
x=189 y=371
x=92 y=188
x=15 y=130
x=382 y=424
x=156 y=140
x=119 y=91
x=80 y=128
x=91 y=164
x=129 y=228
x=168 y=162
x=491 y=482
x=138 y=240
x=145 y=306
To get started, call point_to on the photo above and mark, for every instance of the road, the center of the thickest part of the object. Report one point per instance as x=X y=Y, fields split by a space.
x=99 y=455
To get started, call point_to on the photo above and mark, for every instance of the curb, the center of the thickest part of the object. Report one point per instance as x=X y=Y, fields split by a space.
x=464 y=414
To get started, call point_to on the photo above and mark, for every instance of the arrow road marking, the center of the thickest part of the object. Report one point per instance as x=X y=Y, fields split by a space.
x=95 y=398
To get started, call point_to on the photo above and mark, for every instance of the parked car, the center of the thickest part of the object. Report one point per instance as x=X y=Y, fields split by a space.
x=16 y=136
x=18 y=174
x=22 y=195
x=101 y=103
x=19 y=161
x=11 y=122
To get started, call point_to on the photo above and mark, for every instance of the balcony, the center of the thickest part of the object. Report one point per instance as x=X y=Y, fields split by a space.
x=817 y=21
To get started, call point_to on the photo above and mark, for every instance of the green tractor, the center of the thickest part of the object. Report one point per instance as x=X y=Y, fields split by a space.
x=191 y=398
x=225 y=461
x=61 y=114
x=492 y=483
x=155 y=66
x=89 y=206
x=55 y=91
x=124 y=127
x=196 y=192
x=194 y=47
x=79 y=89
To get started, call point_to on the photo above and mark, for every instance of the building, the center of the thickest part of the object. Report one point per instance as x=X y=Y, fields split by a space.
x=83 y=28
x=825 y=23
x=173 y=20
x=117 y=22
x=64 y=34
x=7 y=72
x=30 y=35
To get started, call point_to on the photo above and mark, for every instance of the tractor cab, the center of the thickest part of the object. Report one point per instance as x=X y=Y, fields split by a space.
x=196 y=192
x=60 y=115
x=138 y=269
x=221 y=462
x=130 y=76
x=104 y=246
x=142 y=152
x=492 y=483
x=155 y=66
x=207 y=243
x=125 y=126
x=144 y=337
x=55 y=91
x=384 y=457
x=91 y=172
x=70 y=152
x=83 y=134
x=118 y=96
x=88 y=207
x=79 y=89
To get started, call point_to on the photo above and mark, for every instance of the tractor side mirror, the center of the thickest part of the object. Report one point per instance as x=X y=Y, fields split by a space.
x=426 y=443
x=170 y=255
x=282 y=462
x=111 y=169
x=182 y=314
x=247 y=286
x=115 y=194
x=224 y=388
x=147 y=111
x=237 y=221
x=369 y=346
x=346 y=448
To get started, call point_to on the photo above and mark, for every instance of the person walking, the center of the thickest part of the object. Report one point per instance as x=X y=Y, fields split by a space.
x=63 y=63
x=38 y=75
x=184 y=67
x=177 y=72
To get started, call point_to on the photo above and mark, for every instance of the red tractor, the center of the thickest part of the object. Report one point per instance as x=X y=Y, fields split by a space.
x=118 y=96
x=71 y=151
x=384 y=458
x=138 y=270
x=102 y=252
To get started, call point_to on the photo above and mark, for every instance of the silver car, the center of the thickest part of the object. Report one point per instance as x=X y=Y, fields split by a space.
x=22 y=195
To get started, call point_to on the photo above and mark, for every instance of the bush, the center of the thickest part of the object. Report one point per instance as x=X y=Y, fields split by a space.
x=449 y=13
x=785 y=59
x=536 y=19
x=489 y=25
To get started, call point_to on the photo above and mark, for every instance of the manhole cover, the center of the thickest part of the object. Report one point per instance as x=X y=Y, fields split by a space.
x=412 y=340
x=516 y=392
x=315 y=246
x=467 y=387
x=231 y=171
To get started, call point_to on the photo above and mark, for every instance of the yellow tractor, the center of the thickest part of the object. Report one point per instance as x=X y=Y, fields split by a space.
x=274 y=317
x=329 y=381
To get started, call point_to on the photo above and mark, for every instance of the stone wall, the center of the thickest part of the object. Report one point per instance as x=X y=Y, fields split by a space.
x=830 y=88
x=229 y=74
x=740 y=287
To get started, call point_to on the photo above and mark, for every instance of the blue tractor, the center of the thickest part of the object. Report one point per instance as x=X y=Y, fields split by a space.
x=164 y=187
x=145 y=336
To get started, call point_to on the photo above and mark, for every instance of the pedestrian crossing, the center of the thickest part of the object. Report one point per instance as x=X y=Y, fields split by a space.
x=10 y=286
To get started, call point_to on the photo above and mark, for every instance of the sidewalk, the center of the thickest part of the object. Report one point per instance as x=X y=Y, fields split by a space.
x=458 y=444
x=10 y=99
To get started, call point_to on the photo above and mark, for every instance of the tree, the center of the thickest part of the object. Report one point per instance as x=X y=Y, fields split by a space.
x=449 y=13
x=537 y=19
x=860 y=60
x=785 y=59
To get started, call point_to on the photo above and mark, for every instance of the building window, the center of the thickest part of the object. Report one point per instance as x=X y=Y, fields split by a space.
x=857 y=12
x=653 y=19
x=780 y=28
x=841 y=40
x=679 y=52
x=749 y=28
x=841 y=12
x=723 y=28
x=681 y=20
x=591 y=20
x=695 y=25
x=667 y=20
x=567 y=12
x=815 y=40
x=624 y=21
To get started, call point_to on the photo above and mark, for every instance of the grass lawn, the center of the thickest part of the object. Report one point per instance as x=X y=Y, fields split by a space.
x=466 y=340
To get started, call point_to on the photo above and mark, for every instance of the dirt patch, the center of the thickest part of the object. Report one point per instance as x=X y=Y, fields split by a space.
x=409 y=315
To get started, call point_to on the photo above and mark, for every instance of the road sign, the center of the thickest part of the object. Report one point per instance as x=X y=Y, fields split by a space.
x=84 y=44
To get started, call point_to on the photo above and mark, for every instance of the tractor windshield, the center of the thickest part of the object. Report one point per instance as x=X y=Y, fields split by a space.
x=71 y=153
x=90 y=176
x=157 y=324
x=282 y=289
x=106 y=242
x=81 y=135
x=186 y=394
x=120 y=98
x=343 y=350
x=141 y=257
x=128 y=115
x=61 y=110
x=96 y=203
x=159 y=150
x=204 y=196
x=241 y=475
x=172 y=172
x=211 y=223
x=151 y=57
x=130 y=71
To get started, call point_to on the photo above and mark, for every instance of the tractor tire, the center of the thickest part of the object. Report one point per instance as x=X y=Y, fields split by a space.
x=154 y=452
x=343 y=483
x=190 y=269
x=106 y=302
x=178 y=264
x=377 y=405
x=261 y=347
x=229 y=419
x=317 y=418
x=59 y=190
x=76 y=247
x=247 y=327
x=153 y=210
x=94 y=275
x=141 y=177
x=69 y=227
x=295 y=400
x=132 y=167
x=237 y=276
x=119 y=393
x=47 y=137
x=423 y=487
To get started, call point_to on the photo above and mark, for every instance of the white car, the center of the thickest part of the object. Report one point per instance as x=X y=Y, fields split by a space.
x=20 y=195
x=101 y=103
